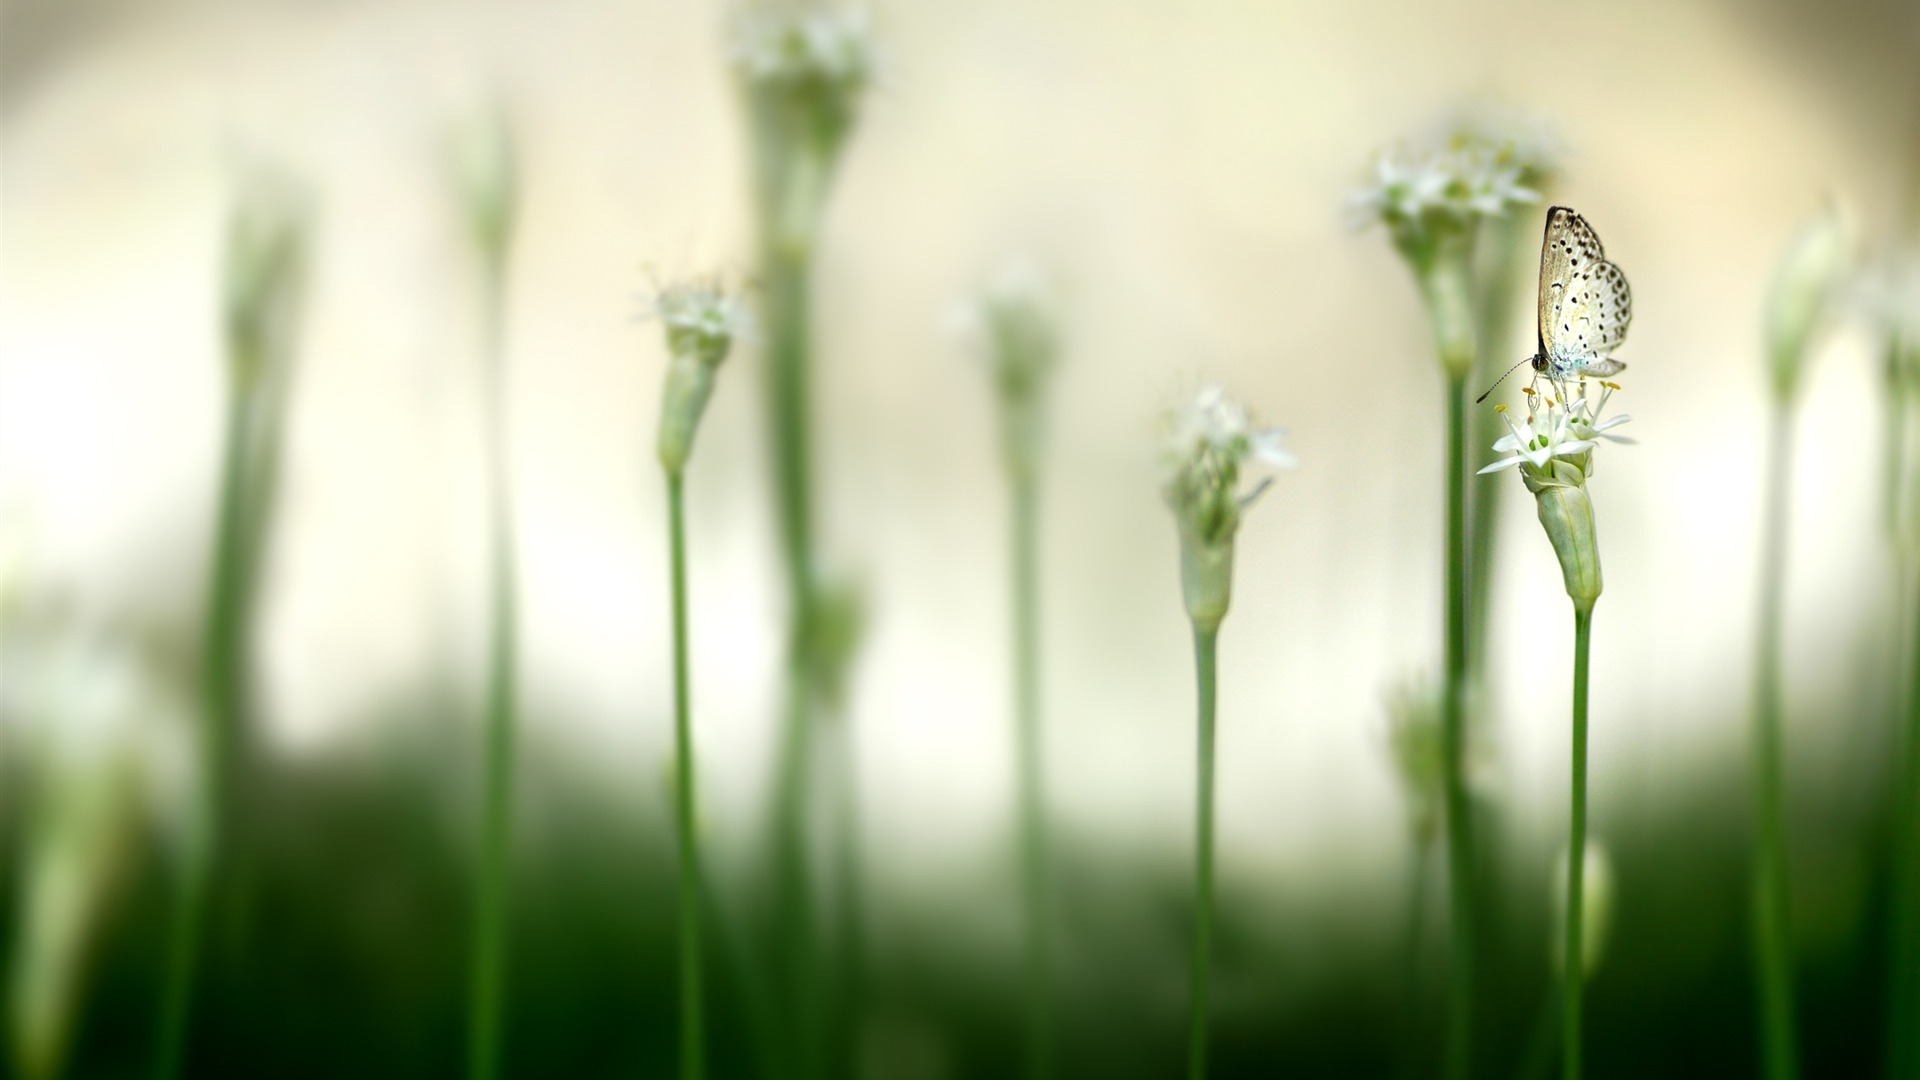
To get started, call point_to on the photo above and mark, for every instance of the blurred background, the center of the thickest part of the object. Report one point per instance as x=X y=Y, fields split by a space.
x=1181 y=172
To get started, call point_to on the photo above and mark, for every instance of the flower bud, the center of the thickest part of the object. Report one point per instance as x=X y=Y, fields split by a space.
x=1596 y=909
x=1206 y=577
x=1208 y=440
x=701 y=323
x=805 y=70
x=1012 y=329
x=265 y=272
x=1806 y=285
x=1567 y=514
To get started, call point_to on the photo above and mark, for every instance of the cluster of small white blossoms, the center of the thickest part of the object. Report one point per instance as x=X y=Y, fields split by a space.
x=1517 y=138
x=702 y=318
x=1210 y=436
x=806 y=46
x=1421 y=195
x=1207 y=441
x=1557 y=429
x=702 y=321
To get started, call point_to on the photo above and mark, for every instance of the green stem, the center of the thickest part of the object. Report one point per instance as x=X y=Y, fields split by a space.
x=1771 y=924
x=1460 y=963
x=489 y=942
x=223 y=687
x=1573 y=965
x=1894 y=443
x=787 y=286
x=1204 y=641
x=1903 y=959
x=1026 y=679
x=1502 y=249
x=692 y=1027
x=1414 y=1055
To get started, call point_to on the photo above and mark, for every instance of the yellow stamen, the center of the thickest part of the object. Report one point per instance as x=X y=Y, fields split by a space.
x=1499 y=408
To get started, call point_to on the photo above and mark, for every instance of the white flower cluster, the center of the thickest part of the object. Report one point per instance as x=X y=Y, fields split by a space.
x=1419 y=193
x=702 y=318
x=1214 y=426
x=806 y=46
x=1557 y=428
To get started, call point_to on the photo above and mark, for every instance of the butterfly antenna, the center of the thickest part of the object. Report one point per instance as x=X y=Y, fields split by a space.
x=1501 y=379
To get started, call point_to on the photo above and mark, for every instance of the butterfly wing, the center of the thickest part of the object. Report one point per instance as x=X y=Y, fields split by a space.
x=1585 y=304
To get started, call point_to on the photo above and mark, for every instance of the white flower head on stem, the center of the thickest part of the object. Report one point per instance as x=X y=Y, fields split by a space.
x=1514 y=137
x=702 y=320
x=266 y=269
x=1208 y=439
x=1554 y=448
x=1887 y=296
x=1428 y=197
x=1555 y=429
x=1807 y=285
x=1011 y=328
x=814 y=59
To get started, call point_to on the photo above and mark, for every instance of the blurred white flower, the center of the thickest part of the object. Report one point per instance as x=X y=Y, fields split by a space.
x=805 y=45
x=1208 y=439
x=1421 y=194
x=1211 y=424
x=703 y=318
x=1808 y=283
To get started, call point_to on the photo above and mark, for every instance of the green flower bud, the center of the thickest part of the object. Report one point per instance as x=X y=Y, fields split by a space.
x=1567 y=514
x=266 y=269
x=1802 y=299
x=701 y=323
x=1011 y=327
x=839 y=623
x=1596 y=909
x=1207 y=441
x=1206 y=578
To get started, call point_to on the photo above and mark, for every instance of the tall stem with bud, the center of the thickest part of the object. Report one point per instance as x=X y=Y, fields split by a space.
x=1208 y=442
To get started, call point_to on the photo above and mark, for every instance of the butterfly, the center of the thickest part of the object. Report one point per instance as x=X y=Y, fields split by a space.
x=1585 y=304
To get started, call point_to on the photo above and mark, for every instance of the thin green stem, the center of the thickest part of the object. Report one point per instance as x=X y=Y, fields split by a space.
x=1460 y=961
x=491 y=889
x=1502 y=250
x=1415 y=1061
x=1026 y=695
x=1573 y=958
x=692 y=1026
x=787 y=285
x=1893 y=477
x=1903 y=954
x=1772 y=928
x=223 y=687
x=1204 y=641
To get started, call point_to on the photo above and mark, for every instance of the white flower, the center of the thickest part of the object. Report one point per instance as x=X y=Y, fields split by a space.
x=702 y=318
x=1418 y=192
x=1213 y=423
x=806 y=45
x=1559 y=429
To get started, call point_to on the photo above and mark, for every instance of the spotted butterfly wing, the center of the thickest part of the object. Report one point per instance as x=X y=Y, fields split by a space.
x=1585 y=304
